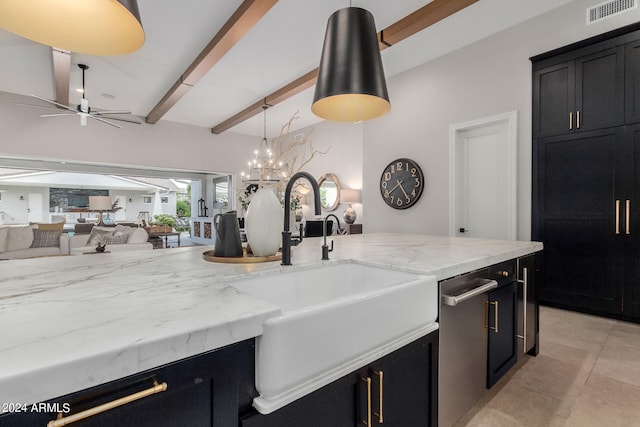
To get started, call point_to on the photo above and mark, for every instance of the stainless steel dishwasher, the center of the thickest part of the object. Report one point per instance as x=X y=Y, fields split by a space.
x=463 y=344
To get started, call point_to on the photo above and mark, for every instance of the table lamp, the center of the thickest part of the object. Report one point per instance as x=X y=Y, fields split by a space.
x=100 y=204
x=350 y=196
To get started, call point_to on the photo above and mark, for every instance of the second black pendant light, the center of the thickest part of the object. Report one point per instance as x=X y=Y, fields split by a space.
x=351 y=85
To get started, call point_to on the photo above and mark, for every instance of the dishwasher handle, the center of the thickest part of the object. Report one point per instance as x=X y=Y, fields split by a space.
x=483 y=285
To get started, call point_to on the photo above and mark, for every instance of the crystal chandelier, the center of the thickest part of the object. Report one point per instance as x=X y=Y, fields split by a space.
x=264 y=167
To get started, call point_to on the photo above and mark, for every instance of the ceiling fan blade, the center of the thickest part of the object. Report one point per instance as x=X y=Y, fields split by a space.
x=117 y=118
x=83 y=119
x=66 y=107
x=100 y=112
x=57 y=115
x=38 y=106
x=105 y=121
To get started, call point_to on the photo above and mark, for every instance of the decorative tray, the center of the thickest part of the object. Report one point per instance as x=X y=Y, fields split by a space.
x=245 y=259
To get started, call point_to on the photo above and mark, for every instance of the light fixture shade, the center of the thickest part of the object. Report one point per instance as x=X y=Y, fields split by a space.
x=349 y=195
x=95 y=27
x=351 y=86
x=100 y=203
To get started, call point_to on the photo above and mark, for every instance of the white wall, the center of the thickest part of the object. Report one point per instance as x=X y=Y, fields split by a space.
x=14 y=210
x=490 y=77
x=344 y=159
x=134 y=202
x=165 y=145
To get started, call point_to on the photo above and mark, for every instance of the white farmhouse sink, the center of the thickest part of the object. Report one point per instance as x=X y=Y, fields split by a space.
x=334 y=319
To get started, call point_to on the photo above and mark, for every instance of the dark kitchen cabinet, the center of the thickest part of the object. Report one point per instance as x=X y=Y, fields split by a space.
x=629 y=228
x=399 y=389
x=501 y=323
x=583 y=93
x=632 y=82
x=585 y=182
x=205 y=390
x=578 y=180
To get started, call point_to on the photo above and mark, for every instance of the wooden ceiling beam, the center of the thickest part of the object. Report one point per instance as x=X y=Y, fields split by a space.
x=242 y=20
x=61 y=74
x=276 y=97
x=417 y=21
x=422 y=18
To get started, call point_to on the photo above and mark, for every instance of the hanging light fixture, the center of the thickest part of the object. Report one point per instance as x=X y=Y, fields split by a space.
x=351 y=84
x=263 y=167
x=94 y=27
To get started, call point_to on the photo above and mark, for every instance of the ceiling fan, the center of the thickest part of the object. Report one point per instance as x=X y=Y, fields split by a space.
x=83 y=109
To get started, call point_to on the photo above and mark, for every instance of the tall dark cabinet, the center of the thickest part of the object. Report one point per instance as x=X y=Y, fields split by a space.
x=586 y=174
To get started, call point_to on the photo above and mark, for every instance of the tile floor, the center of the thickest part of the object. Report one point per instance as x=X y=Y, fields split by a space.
x=587 y=374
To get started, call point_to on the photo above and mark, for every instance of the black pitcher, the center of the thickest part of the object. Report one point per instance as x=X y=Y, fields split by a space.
x=228 y=241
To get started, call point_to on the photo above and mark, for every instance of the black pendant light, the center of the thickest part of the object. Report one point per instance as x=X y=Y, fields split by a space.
x=351 y=85
x=94 y=27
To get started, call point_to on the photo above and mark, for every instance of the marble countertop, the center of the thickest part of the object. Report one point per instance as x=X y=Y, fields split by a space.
x=69 y=323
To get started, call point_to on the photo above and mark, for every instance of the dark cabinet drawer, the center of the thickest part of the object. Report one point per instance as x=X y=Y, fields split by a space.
x=204 y=390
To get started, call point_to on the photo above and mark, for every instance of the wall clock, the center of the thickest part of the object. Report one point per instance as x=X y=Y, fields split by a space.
x=401 y=183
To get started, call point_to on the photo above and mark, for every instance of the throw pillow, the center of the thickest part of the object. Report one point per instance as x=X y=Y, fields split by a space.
x=4 y=232
x=118 y=238
x=138 y=236
x=51 y=227
x=99 y=235
x=19 y=238
x=45 y=238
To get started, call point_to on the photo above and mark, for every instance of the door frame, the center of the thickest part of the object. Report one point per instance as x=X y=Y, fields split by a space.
x=455 y=138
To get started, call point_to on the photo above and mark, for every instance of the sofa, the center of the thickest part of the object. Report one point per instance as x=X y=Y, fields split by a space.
x=117 y=239
x=39 y=240
x=30 y=241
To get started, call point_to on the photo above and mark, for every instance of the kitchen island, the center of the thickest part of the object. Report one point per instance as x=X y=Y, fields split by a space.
x=70 y=323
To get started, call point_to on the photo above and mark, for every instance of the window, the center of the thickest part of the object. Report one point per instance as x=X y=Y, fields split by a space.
x=164 y=200
x=147 y=200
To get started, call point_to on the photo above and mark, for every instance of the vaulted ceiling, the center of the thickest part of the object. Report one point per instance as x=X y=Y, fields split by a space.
x=259 y=48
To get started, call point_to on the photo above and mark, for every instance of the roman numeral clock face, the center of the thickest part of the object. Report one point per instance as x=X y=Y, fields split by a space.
x=401 y=183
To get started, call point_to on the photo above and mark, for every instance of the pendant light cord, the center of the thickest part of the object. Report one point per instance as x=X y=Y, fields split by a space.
x=264 y=131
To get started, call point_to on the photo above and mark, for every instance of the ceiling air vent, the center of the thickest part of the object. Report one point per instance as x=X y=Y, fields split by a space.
x=608 y=9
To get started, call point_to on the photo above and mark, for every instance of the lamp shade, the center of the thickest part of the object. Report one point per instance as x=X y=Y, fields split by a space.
x=100 y=203
x=350 y=196
x=95 y=27
x=351 y=85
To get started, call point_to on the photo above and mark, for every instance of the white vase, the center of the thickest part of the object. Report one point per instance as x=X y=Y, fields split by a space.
x=264 y=223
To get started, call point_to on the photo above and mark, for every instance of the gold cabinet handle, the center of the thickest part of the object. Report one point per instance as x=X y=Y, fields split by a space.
x=495 y=316
x=571 y=120
x=617 y=216
x=627 y=217
x=157 y=388
x=368 y=421
x=378 y=414
x=578 y=120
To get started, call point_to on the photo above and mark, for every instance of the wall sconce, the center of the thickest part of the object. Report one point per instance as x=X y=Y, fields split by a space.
x=21 y=197
x=350 y=196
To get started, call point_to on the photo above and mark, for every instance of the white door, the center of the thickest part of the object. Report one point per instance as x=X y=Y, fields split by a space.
x=483 y=178
x=35 y=207
x=121 y=215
